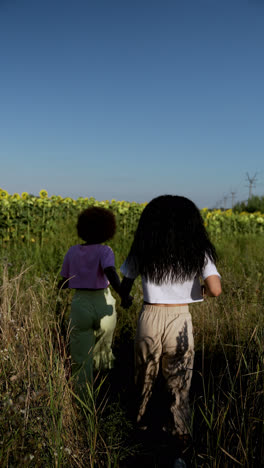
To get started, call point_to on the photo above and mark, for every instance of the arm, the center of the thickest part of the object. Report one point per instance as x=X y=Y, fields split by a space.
x=212 y=286
x=125 y=289
x=114 y=280
x=126 y=285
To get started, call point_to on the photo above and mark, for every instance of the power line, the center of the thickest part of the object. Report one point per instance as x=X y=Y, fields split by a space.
x=233 y=195
x=252 y=183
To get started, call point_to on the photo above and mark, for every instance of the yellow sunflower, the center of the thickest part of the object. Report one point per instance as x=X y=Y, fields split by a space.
x=15 y=196
x=24 y=195
x=3 y=194
x=67 y=201
x=43 y=194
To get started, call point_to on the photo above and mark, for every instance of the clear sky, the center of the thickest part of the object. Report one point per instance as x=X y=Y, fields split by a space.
x=130 y=99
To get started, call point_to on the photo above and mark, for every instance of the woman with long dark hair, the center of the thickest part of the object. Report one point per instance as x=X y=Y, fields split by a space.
x=172 y=252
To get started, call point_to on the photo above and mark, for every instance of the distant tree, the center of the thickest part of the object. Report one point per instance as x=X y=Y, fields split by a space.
x=254 y=203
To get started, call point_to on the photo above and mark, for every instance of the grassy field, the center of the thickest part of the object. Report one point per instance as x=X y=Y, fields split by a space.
x=42 y=423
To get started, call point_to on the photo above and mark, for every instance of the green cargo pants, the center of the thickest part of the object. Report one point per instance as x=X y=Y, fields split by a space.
x=92 y=324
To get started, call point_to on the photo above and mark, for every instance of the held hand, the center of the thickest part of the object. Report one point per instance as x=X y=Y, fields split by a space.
x=126 y=302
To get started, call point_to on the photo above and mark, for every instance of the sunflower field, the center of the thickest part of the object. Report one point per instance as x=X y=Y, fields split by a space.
x=43 y=423
x=33 y=219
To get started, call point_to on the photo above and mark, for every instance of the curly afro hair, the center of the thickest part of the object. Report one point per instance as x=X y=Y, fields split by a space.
x=96 y=225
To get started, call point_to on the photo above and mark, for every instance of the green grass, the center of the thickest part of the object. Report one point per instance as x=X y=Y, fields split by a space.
x=42 y=423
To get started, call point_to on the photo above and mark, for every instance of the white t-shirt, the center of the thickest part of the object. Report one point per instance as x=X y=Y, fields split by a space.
x=172 y=292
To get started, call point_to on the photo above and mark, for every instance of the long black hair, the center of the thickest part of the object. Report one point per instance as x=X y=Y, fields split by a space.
x=171 y=242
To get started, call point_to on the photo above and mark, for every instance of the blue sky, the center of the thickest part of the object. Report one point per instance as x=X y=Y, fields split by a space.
x=132 y=99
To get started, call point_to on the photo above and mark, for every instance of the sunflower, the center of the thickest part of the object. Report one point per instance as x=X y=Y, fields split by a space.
x=67 y=201
x=43 y=194
x=24 y=195
x=15 y=196
x=3 y=194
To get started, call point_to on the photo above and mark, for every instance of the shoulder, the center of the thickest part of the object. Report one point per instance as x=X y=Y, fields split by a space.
x=208 y=262
x=107 y=257
x=105 y=252
x=209 y=268
x=129 y=268
x=72 y=250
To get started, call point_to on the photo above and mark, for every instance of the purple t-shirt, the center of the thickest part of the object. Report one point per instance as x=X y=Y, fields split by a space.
x=84 y=266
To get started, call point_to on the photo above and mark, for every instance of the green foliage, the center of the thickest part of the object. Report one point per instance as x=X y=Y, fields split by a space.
x=40 y=220
x=35 y=219
x=254 y=203
x=41 y=421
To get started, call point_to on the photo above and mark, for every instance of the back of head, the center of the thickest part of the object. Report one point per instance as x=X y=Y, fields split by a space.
x=171 y=241
x=96 y=225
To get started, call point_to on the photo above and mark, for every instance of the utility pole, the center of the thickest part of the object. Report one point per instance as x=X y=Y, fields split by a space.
x=233 y=195
x=225 y=200
x=251 y=181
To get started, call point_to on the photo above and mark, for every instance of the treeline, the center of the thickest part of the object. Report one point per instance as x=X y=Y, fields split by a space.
x=253 y=204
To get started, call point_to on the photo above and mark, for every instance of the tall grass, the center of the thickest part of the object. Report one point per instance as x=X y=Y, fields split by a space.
x=43 y=423
x=228 y=407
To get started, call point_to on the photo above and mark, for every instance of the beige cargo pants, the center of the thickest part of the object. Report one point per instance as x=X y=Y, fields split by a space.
x=164 y=337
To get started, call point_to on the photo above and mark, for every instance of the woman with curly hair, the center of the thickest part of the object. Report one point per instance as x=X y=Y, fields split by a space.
x=171 y=251
x=89 y=268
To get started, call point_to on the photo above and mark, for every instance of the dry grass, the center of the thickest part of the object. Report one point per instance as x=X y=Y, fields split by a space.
x=43 y=424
